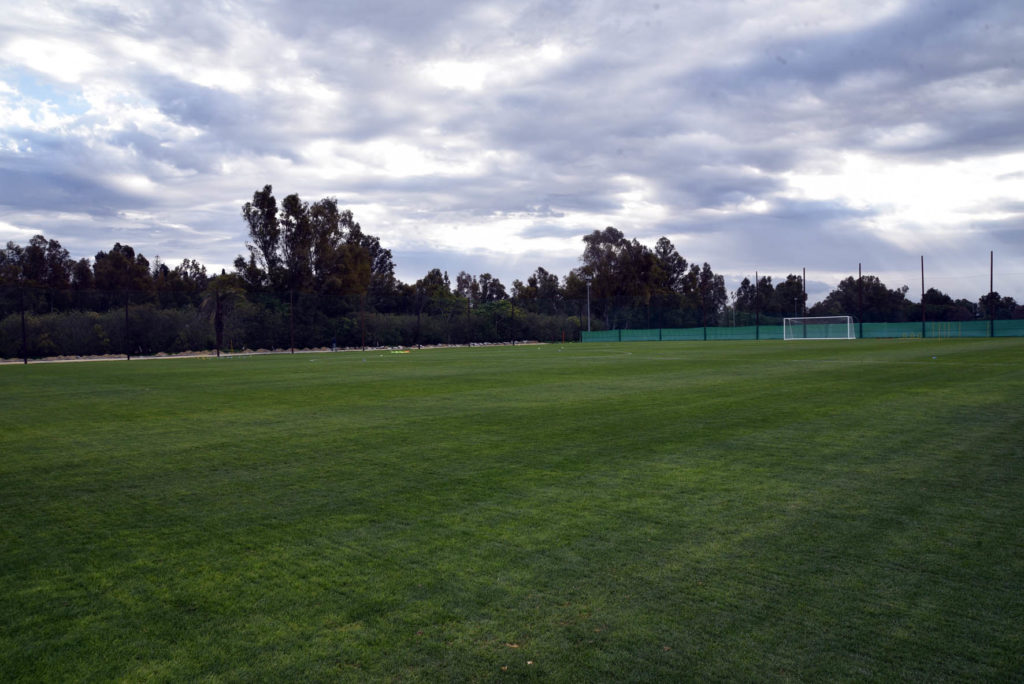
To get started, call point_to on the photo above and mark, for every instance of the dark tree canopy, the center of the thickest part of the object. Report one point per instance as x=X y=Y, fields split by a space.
x=312 y=247
x=867 y=299
x=121 y=269
x=310 y=274
x=265 y=234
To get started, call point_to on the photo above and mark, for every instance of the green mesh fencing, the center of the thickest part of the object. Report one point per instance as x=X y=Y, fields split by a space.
x=747 y=332
x=957 y=329
x=751 y=332
x=682 y=334
x=1012 y=328
x=601 y=336
x=640 y=335
x=930 y=329
x=888 y=330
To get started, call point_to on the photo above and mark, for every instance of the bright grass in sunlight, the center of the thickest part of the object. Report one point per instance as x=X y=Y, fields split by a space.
x=648 y=511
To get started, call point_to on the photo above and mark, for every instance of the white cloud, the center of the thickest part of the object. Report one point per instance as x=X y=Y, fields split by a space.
x=133 y=183
x=63 y=60
x=932 y=197
x=637 y=204
x=502 y=68
x=16 y=233
x=205 y=67
x=458 y=75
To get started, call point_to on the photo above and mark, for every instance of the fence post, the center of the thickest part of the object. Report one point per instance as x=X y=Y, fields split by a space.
x=991 y=289
x=860 y=300
x=127 y=332
x=24 y=334
x=923 y=334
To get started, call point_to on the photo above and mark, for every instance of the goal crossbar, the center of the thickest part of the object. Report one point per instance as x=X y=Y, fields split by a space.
x=818 y=328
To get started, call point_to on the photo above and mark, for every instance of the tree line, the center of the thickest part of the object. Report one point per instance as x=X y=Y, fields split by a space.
x=311 y=277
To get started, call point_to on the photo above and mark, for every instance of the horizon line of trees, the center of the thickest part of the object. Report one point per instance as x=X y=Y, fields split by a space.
x=312 y=277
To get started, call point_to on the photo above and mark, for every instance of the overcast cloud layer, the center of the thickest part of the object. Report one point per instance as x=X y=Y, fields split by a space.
x=490 y=137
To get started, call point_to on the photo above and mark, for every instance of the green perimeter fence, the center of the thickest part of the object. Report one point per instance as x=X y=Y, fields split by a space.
x=932 y=329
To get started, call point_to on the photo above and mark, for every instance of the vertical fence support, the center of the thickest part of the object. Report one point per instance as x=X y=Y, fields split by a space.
x=218 y=321
x=757 y=307
x=362 y=319
x=991 y=289
x=291 y=318
x=24 y=330
x=127 y=331
x=860 y=300
x=922 y=299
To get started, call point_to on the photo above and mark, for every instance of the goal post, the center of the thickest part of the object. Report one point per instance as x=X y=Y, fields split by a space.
x=818 y=328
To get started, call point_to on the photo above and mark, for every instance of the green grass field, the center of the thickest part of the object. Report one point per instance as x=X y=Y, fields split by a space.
x=647 y=511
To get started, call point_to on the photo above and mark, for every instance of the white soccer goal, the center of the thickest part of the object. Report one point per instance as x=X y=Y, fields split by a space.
x=818 y=328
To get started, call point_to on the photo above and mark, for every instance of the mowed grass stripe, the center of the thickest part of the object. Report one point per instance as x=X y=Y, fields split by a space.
x=639 y=511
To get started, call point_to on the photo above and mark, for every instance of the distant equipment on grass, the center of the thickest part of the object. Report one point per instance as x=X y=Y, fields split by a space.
x=818 y=328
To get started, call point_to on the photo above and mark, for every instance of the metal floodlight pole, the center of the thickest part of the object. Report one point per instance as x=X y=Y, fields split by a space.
x=589 y=280
x=362 y=320
x=127 y=330
x=803 y=298
x=922 y=299
x=24 y=330
x=991 y=289
x=860 y=300
x=757 y=306
x=757 y=299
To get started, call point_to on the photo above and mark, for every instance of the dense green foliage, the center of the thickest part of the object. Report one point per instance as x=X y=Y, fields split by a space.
x=235 y=321
x=664 y=511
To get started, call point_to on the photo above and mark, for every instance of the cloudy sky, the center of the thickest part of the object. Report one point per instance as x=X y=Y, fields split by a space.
x=759 y=135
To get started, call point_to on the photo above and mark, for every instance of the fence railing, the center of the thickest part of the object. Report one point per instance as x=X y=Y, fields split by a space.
x=931 y=330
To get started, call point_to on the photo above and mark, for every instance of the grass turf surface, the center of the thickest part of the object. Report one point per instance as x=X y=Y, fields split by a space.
x=731 y=510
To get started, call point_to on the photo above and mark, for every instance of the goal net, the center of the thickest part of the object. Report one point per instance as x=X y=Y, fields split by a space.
x=818 y=328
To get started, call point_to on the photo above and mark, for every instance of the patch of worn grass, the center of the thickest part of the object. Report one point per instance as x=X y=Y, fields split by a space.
x=748 y=510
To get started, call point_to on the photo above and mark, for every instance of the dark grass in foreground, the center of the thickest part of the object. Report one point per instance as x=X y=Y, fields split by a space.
x=751 y=510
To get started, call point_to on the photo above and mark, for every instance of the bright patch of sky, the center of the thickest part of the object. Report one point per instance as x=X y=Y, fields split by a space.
x=61 y=60
x=915 y=202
